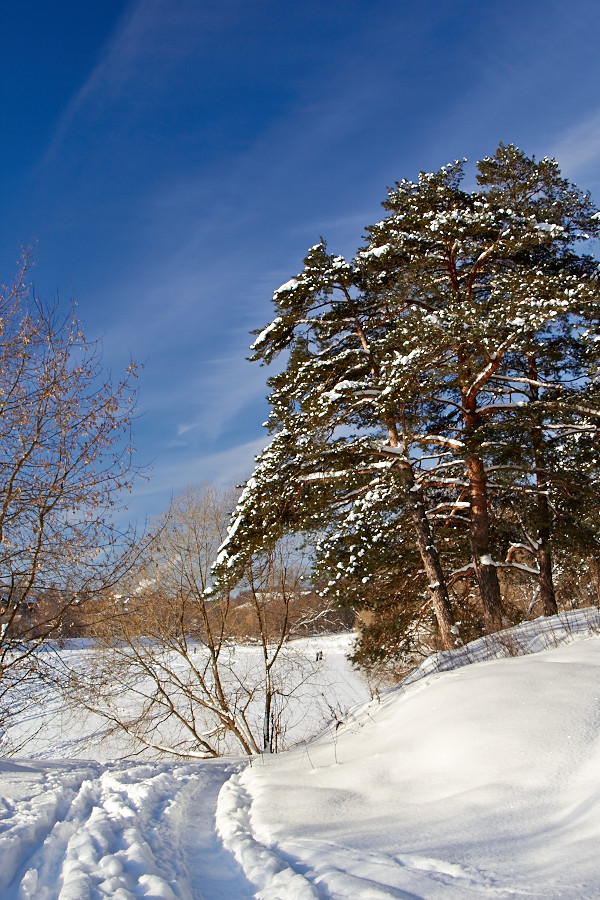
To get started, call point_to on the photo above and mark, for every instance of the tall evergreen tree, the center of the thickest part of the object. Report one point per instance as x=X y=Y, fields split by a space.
x=338 y=435
x=433 y=374
x=495 y=281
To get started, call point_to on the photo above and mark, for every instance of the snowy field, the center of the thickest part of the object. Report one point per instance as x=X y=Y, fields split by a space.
x=327 y=688
x=480 y=782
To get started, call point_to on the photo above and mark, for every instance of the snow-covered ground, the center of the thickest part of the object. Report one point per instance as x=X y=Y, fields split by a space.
x=320 y=690
x=481 y=782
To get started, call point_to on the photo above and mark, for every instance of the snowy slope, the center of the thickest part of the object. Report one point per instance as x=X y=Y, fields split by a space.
x=484 y=782
x=480 y=782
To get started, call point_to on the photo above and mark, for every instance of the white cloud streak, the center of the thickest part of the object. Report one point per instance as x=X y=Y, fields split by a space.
x=578 y=149
x=113 y=68
x=225 y=468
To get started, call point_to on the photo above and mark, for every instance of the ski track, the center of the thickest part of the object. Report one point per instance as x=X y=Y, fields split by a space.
x=184 y=831
x=122 y=830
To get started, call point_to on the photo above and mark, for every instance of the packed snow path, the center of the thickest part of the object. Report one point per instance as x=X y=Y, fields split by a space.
x=85 y=831
x=81 y=831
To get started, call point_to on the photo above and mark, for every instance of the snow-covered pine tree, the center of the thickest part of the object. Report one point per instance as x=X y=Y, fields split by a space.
x=338 y=435
x=552 y=372
x=431 y=372
x=429 y=253
x=494 y=282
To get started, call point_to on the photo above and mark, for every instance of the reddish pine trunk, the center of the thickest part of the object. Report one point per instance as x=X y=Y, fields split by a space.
x=485 y=570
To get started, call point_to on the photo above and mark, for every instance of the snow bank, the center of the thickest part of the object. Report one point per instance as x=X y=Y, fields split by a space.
x=482 y=782
x=520 y=640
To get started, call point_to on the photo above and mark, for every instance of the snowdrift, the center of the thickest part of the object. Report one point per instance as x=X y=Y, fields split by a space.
x=484 y=781
x=481 y=781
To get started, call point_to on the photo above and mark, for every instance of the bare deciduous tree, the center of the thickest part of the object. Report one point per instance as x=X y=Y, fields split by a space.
x=65 y=455
x=195 y=673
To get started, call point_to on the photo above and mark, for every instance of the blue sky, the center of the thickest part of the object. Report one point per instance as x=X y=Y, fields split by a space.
x=173 y=160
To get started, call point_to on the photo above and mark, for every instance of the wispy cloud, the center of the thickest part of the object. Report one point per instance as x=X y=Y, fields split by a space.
x=578 y=149
x=113 y=68
x=221 y=390
x=229 y=467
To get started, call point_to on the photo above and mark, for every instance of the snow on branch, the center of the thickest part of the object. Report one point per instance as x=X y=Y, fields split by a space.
x=520 y=566
x=290 y=285
x=266 y=332
x=495 y=407
x=440 y=439
x=449 y=507
x=462 y=572
x=532 y=382
x=571 y=429
x=388 y=450
x=425 y=478
x=526 y=548
x=324 y=476
x=444 y=517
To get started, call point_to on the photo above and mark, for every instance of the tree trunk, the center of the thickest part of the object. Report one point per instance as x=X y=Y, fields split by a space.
x=436 y=580
x=431 y=563
x=485 y=569
x=267 y=723
x=544 y=557
x=594 y=565
x=547 y=595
